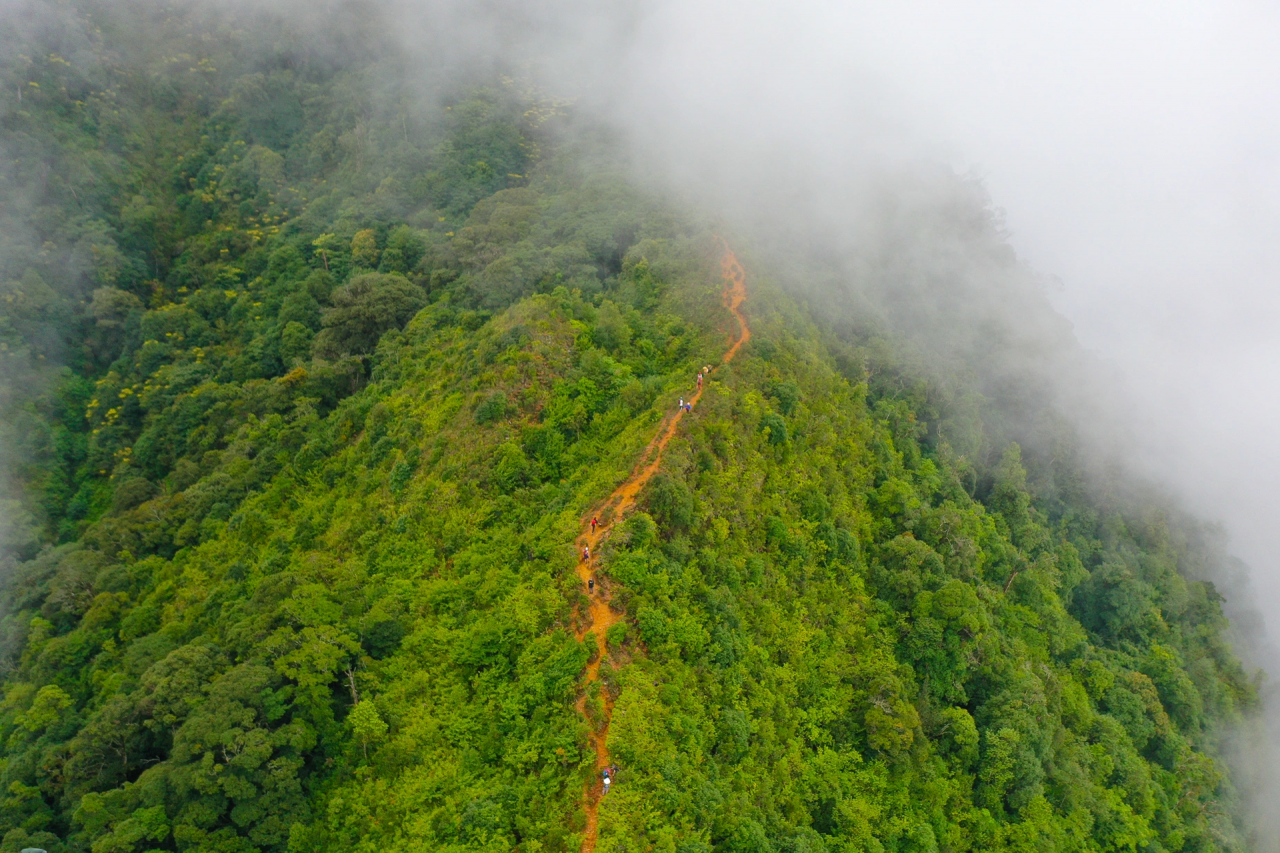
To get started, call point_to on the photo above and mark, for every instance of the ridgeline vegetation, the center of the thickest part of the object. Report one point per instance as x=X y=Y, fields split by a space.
x=308 y=390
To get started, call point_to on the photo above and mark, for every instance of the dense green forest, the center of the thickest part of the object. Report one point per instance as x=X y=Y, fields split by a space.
x=311 y=373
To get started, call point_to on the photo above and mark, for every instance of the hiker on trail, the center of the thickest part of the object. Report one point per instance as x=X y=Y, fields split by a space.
x=586 y=552
x=591 y=585
x=607 y=782
x=699 y=381
x=681 y=406
x=594 y=522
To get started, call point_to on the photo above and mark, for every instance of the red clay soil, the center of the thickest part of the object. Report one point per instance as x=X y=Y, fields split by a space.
x=612 y=510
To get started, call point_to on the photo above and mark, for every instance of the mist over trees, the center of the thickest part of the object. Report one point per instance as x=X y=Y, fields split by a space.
x=309 y=378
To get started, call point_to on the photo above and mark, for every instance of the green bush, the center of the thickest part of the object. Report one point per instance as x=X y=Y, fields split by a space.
x=492 y=408
x=774 y=428
x=363 y=309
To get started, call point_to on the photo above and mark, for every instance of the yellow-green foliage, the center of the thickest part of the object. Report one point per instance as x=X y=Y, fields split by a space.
x=831 y=659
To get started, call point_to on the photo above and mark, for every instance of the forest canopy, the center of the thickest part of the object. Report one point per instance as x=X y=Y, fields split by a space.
x=309 y=382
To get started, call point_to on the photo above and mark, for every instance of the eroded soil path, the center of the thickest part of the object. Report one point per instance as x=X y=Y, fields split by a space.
x=602 y=615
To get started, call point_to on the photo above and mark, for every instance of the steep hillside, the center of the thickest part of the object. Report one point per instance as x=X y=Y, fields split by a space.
x=312 y=395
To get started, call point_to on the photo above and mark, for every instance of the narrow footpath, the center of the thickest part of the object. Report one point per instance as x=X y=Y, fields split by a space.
x=612 y=511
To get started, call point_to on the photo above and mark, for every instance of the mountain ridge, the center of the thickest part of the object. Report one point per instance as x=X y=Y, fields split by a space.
x=333 y=397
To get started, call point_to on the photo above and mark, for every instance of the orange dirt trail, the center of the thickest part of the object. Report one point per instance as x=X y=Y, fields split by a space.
x=611 y=511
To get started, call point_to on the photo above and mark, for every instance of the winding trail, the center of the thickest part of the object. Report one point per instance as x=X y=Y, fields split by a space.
x=611 y=511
